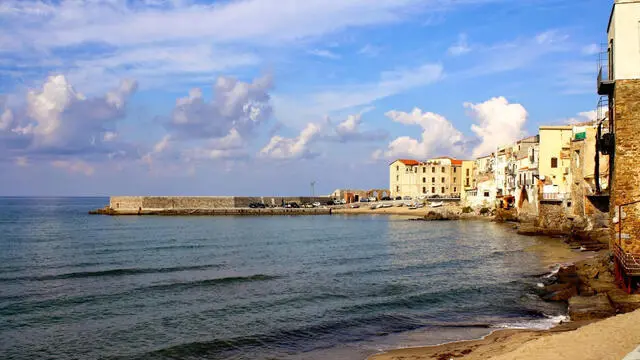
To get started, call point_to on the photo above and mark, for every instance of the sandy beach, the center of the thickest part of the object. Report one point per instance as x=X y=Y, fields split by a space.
x=607 y=339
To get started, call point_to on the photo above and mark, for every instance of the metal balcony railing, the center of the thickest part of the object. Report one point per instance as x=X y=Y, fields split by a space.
x=605 y=76
x=556 y=196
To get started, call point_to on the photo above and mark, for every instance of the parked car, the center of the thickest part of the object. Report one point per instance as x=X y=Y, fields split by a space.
x=257 y=205
x=354 y=206
x=372 y=199
x=331 y=203
x=343 y=201
x=386 y=198
x=364 y=200
x=316 y=204
x=407 y=198
x=398 y=197
x=293 y=205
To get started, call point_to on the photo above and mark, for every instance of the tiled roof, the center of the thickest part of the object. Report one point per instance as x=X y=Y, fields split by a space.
x=453 y=161
x=409 y=162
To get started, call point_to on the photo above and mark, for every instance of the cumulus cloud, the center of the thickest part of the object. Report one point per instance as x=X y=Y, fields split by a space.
x=439 y=137
x=585 y=117
x=497 y=123
x=351 y=130
x=57 y=119
x=292 y=148
x=461 y=47
x=235 y=105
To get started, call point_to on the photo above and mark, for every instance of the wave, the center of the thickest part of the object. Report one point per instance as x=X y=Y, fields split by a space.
x=111 y=272
x=545 y=323
x=27 y=307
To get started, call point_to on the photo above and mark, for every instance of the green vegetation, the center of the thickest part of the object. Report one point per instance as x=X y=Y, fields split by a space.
x=485 y=211
x=467 y=210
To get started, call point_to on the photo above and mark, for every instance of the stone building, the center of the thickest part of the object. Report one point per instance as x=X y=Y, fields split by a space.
x=527 y=153
x=619 y=81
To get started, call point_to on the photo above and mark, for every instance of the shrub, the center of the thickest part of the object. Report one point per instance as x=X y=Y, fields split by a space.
x=484 y=211
x=467 y=210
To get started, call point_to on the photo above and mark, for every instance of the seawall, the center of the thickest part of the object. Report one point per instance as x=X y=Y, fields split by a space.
x=208 y=205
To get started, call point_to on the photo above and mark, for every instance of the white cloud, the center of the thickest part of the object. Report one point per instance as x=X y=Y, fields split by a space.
x=235 y=105
x=74 y=166
x=439 y=137
x=461 y=47
x=585 y=117
x=324 y=54
x=56 y=119
x=591 y=49
x=351 y=129
x=292 y=148
x=369 y=50
x=497 y=123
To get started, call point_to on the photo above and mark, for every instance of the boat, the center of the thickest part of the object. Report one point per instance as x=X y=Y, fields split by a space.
x=436 y=204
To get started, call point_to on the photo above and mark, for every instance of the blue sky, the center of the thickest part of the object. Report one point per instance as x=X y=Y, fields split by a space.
x=260 y=97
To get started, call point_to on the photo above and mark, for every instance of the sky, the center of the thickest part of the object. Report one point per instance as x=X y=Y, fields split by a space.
x=262 y=97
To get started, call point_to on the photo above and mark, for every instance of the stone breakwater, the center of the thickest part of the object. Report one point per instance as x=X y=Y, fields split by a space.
x=208 y=205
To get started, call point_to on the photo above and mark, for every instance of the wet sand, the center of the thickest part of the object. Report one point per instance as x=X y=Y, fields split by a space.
x=609 y=339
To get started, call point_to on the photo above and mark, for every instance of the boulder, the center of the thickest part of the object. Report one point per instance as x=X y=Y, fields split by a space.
x=568 y=274
x=590 y=307
x=624 y=302
x=560 y=292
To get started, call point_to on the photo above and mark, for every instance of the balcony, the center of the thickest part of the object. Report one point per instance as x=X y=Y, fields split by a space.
x=605 y=78
x=555 y=197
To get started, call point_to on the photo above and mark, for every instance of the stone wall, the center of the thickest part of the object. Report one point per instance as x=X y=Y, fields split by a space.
x=552 y=216
x=626 y=165
x=202 y=202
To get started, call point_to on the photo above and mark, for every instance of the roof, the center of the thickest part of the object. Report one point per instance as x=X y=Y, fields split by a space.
x=453 y=161
x=556 y=127
x=408 y=162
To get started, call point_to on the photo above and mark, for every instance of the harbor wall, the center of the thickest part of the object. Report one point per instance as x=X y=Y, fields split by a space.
x=127 y=203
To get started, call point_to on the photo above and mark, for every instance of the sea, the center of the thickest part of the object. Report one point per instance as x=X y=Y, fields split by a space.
x=79 y=286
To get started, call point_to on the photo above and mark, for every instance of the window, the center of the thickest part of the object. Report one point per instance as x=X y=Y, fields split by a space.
x=424 y=170
x=468 y=182
x=443 y=169
x=577 y=158
x=455 y=189
x=398 y=188
x=398 y=168
x=443 y=189
x=520 y=179
x=424 y=190
x=454 y=169
x=397 y=177
x=525 y=179
x=486 y=194
x=554 y=163
x=442 y=180
x=433 y=169
x=433 y=190
x=455 y=180
x=415 y=170
x=424 y=180
x=433 y=180
x=467 y=172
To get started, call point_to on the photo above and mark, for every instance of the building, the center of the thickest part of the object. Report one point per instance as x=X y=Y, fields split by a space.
x=555 y=161
x=619 y=81
x=484 y=192
x=587 y=203
x=403 y=178
x=441 y=177
x=527 y=153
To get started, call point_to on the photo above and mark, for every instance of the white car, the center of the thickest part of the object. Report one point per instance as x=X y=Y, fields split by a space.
x=343 y=201
x=316 y=204
x=372 y=199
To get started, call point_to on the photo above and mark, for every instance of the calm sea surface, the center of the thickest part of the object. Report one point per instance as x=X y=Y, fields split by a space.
x=74 y=286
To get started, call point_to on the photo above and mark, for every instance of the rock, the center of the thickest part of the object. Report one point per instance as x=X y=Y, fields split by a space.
x=568 y=274
x=586 y=290
x=590 y=307
x=624 y=302
x=560 y=292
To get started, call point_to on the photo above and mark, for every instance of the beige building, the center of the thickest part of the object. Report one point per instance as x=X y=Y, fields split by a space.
x=554 y=164
x=442 y=177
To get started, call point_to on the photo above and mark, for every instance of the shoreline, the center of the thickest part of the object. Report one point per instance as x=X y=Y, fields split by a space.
x=566 y=340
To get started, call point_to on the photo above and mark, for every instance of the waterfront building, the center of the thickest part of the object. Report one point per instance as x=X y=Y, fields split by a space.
x=485 y=190
x=441 y=177
x=555 y=161
x=527 y=153
x=619 y=82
